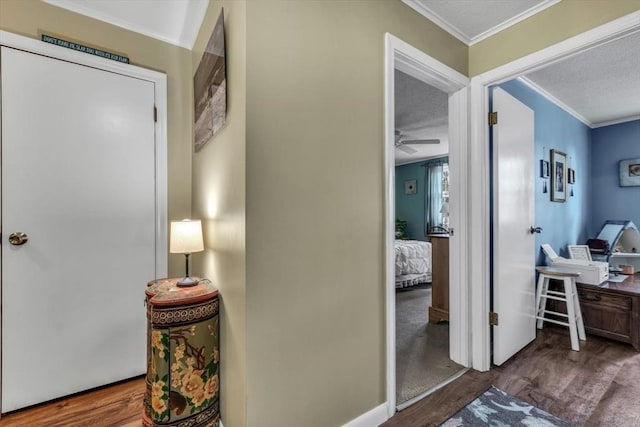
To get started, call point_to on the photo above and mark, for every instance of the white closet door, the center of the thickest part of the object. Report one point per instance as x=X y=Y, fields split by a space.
x=78 y=179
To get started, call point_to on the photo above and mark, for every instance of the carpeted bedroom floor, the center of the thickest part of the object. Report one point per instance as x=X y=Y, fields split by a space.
x=422 y=349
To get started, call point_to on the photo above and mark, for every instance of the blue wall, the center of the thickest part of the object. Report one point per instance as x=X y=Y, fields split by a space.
x=609 y=145
x=562 y=223
x=410 y=207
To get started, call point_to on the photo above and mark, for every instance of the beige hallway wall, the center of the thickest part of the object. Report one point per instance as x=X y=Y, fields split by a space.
x=219 y=200
x=315 y=204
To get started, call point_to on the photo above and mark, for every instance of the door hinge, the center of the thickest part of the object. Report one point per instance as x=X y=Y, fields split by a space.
x=493 y=318
x=493 y=118
x=155 y=114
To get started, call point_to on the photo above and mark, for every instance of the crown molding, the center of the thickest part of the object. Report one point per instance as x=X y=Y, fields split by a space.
x=574 y=113
x=425 y=11
x=555 y=101
x=616 y=121
x=513 y=21
x=438 y=20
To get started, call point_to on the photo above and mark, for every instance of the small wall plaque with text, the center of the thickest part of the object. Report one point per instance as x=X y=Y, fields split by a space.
x=86 y=49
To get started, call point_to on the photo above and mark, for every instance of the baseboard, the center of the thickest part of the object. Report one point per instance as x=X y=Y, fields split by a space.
x=374 y=417
x=421 y=396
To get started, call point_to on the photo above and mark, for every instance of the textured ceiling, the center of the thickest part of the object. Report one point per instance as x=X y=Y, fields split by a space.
x=421 y=112
x=601 y=85
x=473 y=20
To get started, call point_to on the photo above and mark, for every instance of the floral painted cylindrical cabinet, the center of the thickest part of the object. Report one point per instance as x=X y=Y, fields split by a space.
x=182 y=355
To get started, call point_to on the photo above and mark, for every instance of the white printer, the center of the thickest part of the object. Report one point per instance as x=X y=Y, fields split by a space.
x=591 y=272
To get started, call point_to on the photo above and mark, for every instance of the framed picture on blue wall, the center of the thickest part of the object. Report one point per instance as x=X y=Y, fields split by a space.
x=410 y=187
x=544 y=169
x=558 y=176
x=630 y=173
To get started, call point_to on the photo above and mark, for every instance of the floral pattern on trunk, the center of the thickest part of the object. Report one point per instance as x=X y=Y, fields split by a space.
x=159 y=386
x=187 y=382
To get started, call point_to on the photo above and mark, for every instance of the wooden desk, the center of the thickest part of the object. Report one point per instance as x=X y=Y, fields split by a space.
x=439 y=309
x=611 y=310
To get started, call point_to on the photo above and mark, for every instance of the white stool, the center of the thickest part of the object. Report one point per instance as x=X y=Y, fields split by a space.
x=570 y=296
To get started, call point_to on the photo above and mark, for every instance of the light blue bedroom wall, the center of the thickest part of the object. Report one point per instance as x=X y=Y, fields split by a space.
x=568 y=222
x=410 y=207
x=609 y=145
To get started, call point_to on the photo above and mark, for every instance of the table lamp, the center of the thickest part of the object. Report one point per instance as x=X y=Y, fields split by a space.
x=186 y=238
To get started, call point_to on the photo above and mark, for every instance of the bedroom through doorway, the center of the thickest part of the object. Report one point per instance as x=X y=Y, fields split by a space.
x=422 y=221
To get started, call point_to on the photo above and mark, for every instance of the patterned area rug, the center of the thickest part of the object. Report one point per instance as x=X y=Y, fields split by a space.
x=496 y=408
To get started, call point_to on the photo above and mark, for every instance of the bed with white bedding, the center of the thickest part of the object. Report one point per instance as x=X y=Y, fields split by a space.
x=413 y=262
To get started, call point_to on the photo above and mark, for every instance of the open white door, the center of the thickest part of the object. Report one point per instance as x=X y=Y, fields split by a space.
x=513 y=217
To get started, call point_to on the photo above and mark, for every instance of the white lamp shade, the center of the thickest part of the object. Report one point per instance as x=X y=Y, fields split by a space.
x=186 y=236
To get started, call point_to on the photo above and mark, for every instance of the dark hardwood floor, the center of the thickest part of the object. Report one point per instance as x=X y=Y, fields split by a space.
x=597 y=386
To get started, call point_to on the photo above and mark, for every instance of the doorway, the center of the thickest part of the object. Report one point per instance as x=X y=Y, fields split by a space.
x=414 y=63
x=480 y=85
x=421 y=245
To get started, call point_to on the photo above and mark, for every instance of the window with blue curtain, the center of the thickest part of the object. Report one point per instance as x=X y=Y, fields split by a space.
x=436 y=197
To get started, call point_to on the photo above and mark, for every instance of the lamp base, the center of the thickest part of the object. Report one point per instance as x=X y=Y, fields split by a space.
x=187 y=281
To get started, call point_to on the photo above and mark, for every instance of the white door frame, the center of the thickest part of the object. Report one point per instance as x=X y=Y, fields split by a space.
x=478 y=184
x=160 y=84
x=402 y=56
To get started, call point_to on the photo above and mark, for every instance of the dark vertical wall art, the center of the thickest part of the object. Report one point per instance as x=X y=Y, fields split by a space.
x=210 y=88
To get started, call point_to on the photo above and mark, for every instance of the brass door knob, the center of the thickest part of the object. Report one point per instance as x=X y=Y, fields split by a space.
x=18 y=238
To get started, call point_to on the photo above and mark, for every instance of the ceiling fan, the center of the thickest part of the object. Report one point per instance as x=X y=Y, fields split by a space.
x=403 y=144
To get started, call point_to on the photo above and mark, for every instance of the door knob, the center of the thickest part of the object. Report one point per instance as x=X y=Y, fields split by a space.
x=18 y=238
x=534 y=230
